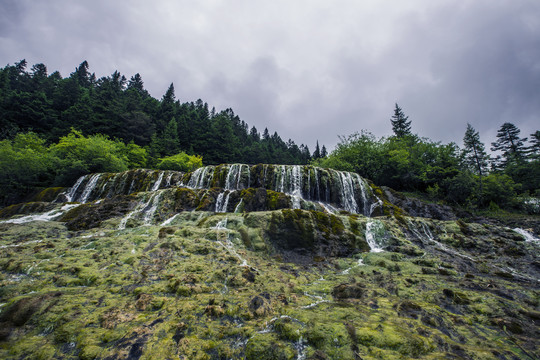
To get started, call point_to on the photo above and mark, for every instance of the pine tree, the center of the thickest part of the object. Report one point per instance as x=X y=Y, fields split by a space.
x=474 y=154
x=400 y=126
x=324 y=153
x=317 y=152
x=510 y=144
x=534 y=149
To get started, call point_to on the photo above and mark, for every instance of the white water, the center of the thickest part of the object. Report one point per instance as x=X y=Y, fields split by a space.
x=429 y=236
x=359 y=263
x=147 y=209
x=347 y=193
x=47 y=216
x=169 y=220
x=149 y=212
x=74 y=188
x=375 y=205
x=158 y=182
x=89 y=188
x=296 y=192
x=21 y=244
x=237 y=208
x=527 y=235
x=222 y=202
x=373 y=230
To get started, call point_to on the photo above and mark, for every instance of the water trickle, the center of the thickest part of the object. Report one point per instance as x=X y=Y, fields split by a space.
x=158 y=182
x=169 y=220
x=374 y=232
x=151 y=210
x=168 y=180
x=238 y=207
x=375 y=205
x=147 y=208
x=527 y=235
x=47 y=216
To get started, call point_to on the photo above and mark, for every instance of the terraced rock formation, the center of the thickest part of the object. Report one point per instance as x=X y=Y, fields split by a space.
x=260 y=262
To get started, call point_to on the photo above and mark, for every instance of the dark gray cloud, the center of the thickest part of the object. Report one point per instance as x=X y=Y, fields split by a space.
x=306 y=69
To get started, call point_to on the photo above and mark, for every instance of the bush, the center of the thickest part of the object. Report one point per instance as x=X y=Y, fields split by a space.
x=24 y=165
x=180 y=162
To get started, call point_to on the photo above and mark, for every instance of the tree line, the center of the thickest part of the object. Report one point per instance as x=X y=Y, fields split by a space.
x=50 y=106
x=466 y=176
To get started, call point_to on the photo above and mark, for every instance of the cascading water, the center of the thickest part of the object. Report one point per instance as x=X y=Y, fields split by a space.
x=71 y=194
x=89 y=187
x=347 y=193
x=222 y=202
x=374 y=232
x=306 y=187
x=158 y=182
x=47 y=216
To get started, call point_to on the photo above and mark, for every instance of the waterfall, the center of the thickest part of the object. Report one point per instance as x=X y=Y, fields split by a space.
x=150 y=211
x=373 y=235
x=527 y=235
x=158 y=182
x=47 y=216
x=147 y=208
x=198 y=178
x=89 y=187
x=222 y=202
x=234 y=176
x=296 y=192
x=375 y=205
x=71 y=194
x=364 y=194
x=168 y=180
x=237 y=208
x=347 y=193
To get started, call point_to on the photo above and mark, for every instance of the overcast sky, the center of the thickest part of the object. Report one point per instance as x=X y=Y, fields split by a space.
x=307 y=69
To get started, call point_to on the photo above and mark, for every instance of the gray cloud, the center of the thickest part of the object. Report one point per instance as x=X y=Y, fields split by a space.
x=307 y=69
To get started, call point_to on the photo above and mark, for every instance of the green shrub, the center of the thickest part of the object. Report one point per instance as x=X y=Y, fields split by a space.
x=180 y=162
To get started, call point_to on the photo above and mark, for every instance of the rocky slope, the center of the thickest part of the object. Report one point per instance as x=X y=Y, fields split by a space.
x=260 y=262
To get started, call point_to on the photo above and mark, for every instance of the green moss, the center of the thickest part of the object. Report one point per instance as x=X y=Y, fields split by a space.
x=48 y=194
x=267 y=347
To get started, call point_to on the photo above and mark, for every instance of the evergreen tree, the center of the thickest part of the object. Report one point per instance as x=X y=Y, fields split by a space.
x=510 y=144
x=254 y=134
x=266 y=134
x=317 y=152
x=324 y=153
x=400 y=126
x=474 y=154
x=534 y=149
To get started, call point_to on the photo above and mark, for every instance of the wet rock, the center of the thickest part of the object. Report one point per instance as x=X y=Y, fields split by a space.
x=260 y=305
x=419 y=208
x=143 y=301
x=349 y=291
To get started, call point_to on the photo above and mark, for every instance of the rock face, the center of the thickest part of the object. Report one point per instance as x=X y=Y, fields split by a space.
x=260 y=262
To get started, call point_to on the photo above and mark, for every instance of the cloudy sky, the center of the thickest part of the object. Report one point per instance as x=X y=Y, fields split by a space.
x=307 y=69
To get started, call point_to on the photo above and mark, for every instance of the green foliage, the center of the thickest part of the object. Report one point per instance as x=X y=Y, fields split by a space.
x=120 y=109
x=180 y=162
x=24 y=164
x=78 y=155
x=499 y=189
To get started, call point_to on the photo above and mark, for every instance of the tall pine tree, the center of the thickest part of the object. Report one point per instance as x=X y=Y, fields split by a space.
x=400 y=124
x=473 y=153
x=510 y=144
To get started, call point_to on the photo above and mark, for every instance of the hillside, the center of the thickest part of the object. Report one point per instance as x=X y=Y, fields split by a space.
x=260 y=262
